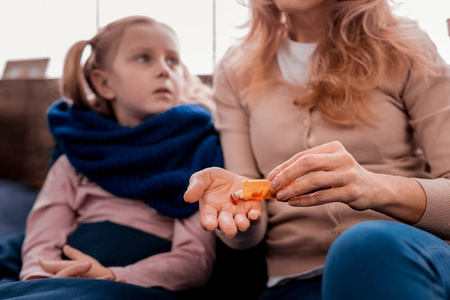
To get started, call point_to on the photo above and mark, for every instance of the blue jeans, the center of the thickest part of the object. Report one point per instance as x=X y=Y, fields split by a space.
x=377 y=260
x=387 y=260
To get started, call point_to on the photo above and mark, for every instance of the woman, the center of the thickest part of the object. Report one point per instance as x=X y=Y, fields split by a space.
x=353 y=103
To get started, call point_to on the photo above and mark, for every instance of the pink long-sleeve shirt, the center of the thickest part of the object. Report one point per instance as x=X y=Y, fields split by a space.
x=68 y=199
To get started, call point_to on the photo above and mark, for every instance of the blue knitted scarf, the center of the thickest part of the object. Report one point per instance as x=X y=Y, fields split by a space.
x=151 y=162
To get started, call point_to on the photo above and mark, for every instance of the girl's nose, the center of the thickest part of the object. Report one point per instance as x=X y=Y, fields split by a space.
x=163 y=69
x=163 y=73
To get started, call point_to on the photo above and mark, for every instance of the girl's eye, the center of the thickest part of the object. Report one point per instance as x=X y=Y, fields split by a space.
x=143 y=58
x=173 y=61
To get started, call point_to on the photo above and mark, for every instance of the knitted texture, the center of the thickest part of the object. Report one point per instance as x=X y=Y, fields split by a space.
x=151 y=162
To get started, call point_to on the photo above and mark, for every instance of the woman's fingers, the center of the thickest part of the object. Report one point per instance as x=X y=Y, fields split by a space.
x=197 y=185
x=324 y=174
x=254 y=216
x=314 y=182
x=340 y=194
x=309 y=163
x=227 y=224
x=254 y=211
x=208 y=216
x=242 y=222
x=327 y=148
x=239 y=217
x=213 y=187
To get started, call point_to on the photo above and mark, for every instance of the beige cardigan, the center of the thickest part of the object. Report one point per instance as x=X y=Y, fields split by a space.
x=412 y=139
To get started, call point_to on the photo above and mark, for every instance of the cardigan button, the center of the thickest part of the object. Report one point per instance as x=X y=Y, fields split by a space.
x=305 y=123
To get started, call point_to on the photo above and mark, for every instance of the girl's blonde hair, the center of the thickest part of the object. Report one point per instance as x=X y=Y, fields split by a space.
x=365 y=45
x=76 y=83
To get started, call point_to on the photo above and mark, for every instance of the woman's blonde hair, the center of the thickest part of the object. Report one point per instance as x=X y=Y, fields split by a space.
x=365 y=44
x=76 y=82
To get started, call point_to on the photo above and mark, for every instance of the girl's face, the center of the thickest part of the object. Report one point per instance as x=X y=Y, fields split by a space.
x=145 y=77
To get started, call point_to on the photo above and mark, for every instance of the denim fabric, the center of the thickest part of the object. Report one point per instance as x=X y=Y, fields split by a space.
x=377 y=260
x=387 y=260
x=10 y=259
x=16 y=200
x=80 y=289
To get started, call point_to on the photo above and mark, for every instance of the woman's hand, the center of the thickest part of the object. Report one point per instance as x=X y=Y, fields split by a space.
x=213 y=187
x=328 y=173
x=80 y=265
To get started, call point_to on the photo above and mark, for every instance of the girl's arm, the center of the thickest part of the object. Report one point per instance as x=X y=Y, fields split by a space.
x=189 y=264
x=50 y=221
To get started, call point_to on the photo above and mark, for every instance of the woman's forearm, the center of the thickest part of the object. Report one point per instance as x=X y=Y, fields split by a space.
x=401 y=198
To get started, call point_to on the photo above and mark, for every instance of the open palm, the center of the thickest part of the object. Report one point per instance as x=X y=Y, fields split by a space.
x=212 y=187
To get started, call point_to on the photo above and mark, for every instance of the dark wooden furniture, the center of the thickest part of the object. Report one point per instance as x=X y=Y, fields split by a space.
x=25 y=141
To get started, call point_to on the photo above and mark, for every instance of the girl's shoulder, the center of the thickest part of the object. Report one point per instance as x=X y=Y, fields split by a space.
x=62 y=168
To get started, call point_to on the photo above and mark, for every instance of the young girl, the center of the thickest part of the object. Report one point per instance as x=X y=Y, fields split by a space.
x=131 y=135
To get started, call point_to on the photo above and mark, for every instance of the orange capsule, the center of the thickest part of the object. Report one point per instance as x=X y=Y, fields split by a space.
x=258 y=189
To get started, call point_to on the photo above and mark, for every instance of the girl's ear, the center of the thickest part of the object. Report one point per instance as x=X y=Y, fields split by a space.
x=99 y=80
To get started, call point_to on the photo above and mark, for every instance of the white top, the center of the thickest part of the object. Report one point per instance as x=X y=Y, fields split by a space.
x=294 y=59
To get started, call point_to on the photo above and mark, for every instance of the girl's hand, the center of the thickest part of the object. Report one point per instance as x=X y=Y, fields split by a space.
x=213 y=187
x=80 y=265
x=327 y=173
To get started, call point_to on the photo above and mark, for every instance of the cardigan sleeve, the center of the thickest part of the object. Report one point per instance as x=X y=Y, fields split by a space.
x=427 y=101
x=232 y=122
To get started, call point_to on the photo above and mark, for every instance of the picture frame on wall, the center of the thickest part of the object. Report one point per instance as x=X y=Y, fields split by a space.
x=25 y=69
x=448 y=26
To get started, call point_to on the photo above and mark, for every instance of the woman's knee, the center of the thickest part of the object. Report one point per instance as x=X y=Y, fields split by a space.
x=367 y=239
x=374 y=257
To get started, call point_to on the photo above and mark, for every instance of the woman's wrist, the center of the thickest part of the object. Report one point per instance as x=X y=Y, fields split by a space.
x=400 y=197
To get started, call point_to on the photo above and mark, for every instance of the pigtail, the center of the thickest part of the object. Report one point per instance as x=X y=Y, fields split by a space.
x=73 y=82
x=76 y=80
